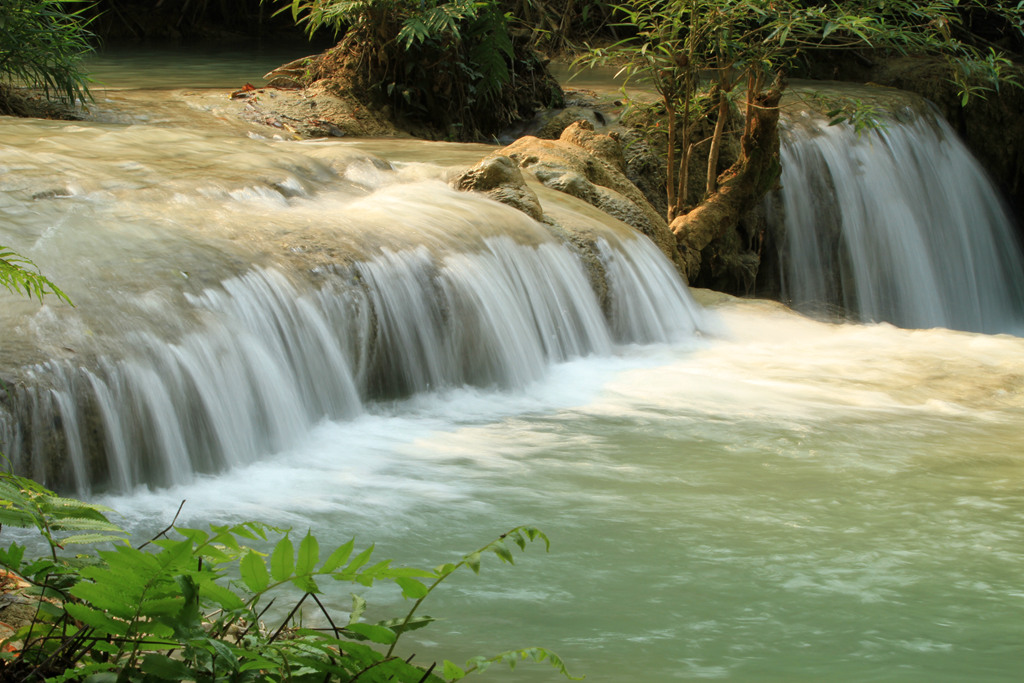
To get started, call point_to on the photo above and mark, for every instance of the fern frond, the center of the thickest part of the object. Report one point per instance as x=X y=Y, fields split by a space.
x=19 y=275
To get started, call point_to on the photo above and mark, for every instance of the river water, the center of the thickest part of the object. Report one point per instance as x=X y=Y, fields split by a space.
x=745 y=494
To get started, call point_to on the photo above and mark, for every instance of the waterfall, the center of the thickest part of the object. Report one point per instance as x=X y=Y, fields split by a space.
x=898 y=224
x=272 y=356
x=233 y=295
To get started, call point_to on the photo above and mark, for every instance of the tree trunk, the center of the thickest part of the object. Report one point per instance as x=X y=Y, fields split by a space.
x=670 y=181
x=742 y=185
x=716 y=141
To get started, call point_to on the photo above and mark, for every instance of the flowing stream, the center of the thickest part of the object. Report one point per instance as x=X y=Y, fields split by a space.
x=324 y=335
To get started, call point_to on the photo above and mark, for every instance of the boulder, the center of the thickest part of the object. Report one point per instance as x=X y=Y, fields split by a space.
x=499 y=178
x=590 y=166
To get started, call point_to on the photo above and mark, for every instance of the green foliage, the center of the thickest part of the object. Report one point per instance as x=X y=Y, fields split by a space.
x=19 y=275
x=562 y=26
x=681 y=47
x=863 y=115
x=189 y=604
x=42 y=43
x=24 y=503
x=452 y=64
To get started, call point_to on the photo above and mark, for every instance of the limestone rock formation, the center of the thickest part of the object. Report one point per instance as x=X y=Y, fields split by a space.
x=499 y=178
x=590 y=166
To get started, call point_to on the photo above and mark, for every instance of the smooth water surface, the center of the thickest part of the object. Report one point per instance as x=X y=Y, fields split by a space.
x=197 y=65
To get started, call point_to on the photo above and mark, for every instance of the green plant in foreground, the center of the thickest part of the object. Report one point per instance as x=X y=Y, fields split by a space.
x=42 y=43
x=189 y=604
x=18 y=275
x=25 y=503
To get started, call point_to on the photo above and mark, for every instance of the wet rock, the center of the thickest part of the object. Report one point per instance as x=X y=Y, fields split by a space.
x=554 y=123
x=591 y=166
x=645 y=168
x=312 y=112
x=500 y=179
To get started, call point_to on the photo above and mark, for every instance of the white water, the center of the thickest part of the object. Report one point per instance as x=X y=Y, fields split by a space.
x=899 y=225
x=780 y=499
x=792 y=501
x=395 y=285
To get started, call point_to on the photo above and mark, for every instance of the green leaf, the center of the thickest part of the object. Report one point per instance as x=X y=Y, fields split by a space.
x=373 y=633
x=445 y=569
x=402 y=624
x=453 y=672
x=504 y=554
x=197 y=536
x=254 y=573
x=12 y=556
x=338 y=557
x=16 y=518
x=309 y=555
x=411 y=588
x=305 y=583
x=359 y=560
x=18 y=274
x=82 y=539
x=107 y=597
x=358 y=607
x=96 y=619
x=283 y=560
x=161 y=607
x=175 y=554
x=224 y=597
x=511 y=657
x=473 y=562
x=164 y=667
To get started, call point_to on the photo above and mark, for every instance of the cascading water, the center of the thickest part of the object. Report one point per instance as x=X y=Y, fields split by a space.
x=899 y=225
x=307 y=335
x=467 y=292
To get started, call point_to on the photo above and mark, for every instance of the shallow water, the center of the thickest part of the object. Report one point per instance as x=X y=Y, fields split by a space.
x=792 y=501
x=777 y=499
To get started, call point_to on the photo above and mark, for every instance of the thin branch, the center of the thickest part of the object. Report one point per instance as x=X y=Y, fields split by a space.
x=164 y=532
x=289 y=618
